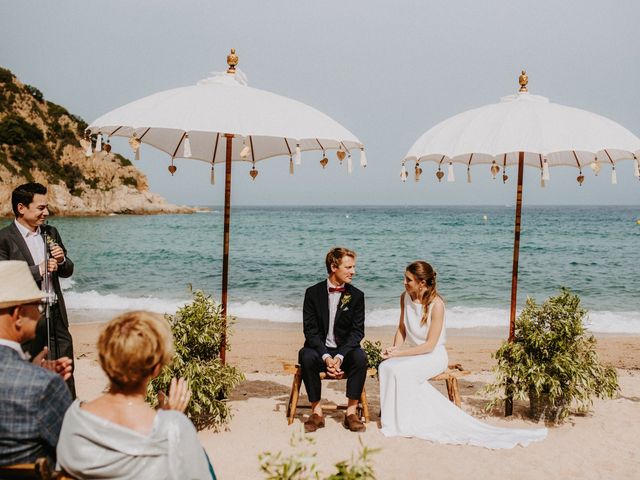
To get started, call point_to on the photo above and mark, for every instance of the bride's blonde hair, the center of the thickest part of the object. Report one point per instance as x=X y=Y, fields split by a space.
x=425 y=272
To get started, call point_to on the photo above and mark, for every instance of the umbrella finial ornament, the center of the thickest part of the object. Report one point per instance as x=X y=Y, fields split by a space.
x=523 y=79
x=495 y=169
x=232 y=61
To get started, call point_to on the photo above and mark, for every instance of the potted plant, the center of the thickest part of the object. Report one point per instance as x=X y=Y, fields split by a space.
x=197 y=331
x=552 y=360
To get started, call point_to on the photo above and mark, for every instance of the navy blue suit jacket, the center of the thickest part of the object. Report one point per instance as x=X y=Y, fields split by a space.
x=348 y=327
x=33 y=402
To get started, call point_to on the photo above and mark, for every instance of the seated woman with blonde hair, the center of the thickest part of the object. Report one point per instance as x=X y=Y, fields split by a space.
x=118 y=435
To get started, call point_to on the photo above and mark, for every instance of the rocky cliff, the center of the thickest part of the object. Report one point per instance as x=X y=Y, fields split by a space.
x=41 y=141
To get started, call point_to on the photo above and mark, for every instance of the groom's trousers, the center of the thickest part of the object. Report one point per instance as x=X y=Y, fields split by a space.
x=354 y=366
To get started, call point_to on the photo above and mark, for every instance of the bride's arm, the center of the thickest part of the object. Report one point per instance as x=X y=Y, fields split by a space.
x=437 y=321
x=401 y=333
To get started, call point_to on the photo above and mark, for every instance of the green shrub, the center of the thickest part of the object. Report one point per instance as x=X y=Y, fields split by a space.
x=552 y=360
x=125 y=162
x=374 y=353
x=56 y=111
x=35 y=93
x=14 y=130
x=130 y=181
x=301 y=464
x=6 y=76
x=197 y=329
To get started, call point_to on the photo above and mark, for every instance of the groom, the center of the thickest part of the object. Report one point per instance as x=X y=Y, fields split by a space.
x=333 y=320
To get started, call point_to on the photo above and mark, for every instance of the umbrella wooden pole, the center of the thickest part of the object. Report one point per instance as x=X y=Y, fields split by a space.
x=514 y=272
x=225 y=251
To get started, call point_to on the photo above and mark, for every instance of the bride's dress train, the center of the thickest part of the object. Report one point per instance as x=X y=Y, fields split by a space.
x=412 y=407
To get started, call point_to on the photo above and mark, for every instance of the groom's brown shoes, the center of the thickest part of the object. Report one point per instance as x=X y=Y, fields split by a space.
x=353 y=423
x=313 y=423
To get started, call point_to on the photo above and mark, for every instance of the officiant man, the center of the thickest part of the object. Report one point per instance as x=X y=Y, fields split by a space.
x=333 y=322
x=23 y=240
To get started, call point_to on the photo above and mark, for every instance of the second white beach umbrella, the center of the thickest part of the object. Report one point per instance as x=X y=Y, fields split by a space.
x=524 y=129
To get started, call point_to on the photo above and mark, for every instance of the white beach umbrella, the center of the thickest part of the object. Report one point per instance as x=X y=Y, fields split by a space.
x=524 y=129
x=222 y=119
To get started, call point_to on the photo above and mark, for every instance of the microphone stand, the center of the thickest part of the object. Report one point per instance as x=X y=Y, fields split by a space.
x=47 y=287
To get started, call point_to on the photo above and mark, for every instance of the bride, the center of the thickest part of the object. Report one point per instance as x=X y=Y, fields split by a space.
x=411 y=406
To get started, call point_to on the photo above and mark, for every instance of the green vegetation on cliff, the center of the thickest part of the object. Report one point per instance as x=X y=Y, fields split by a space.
x=34 y=134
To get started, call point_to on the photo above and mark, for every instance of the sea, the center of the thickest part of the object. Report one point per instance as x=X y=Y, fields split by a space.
x=150 y=262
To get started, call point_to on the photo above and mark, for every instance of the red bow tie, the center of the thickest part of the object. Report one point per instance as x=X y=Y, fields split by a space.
x=336 y=289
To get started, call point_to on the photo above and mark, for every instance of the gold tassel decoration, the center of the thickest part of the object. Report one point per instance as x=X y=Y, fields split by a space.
x=468 y=175
x=636 y=168
x=614 y=176
x=290 y=165
x=349 y=164
x=213 y=175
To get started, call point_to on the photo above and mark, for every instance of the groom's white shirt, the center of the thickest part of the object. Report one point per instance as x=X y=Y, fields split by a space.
x=334 y=298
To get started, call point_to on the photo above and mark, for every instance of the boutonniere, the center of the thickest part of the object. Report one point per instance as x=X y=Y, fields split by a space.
x=346 y=298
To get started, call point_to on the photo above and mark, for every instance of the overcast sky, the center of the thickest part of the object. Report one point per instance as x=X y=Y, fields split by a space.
x=388 y=71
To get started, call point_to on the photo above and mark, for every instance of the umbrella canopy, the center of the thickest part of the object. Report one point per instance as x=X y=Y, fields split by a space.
x=547 y=133
x=270 y=125
x=524 y=129
x=221 y=119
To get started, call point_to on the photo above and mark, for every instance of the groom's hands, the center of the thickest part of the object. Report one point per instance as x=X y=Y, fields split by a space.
x=333 y=367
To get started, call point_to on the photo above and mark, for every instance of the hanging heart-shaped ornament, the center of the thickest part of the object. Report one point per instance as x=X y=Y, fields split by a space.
x=505 y=177
x=341 y=154
x=495 y=169
x=580 y=179
x=439 y=174
x=418 y=172
x=172 y=169
x=107 y=147
x=324 y=162
x=254 y=173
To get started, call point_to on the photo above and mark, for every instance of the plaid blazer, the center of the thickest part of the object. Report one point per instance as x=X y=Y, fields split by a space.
x=33 y=402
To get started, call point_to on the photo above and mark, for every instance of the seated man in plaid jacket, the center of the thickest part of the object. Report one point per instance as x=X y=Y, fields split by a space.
x=33 y=400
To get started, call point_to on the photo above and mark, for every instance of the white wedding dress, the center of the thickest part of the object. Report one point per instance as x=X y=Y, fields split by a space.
x=412 y=407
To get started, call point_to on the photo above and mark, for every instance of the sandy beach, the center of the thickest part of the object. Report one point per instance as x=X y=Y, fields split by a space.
x=602 y=444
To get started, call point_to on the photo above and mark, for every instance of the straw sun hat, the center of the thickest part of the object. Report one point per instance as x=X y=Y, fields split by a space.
x=17 y=286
